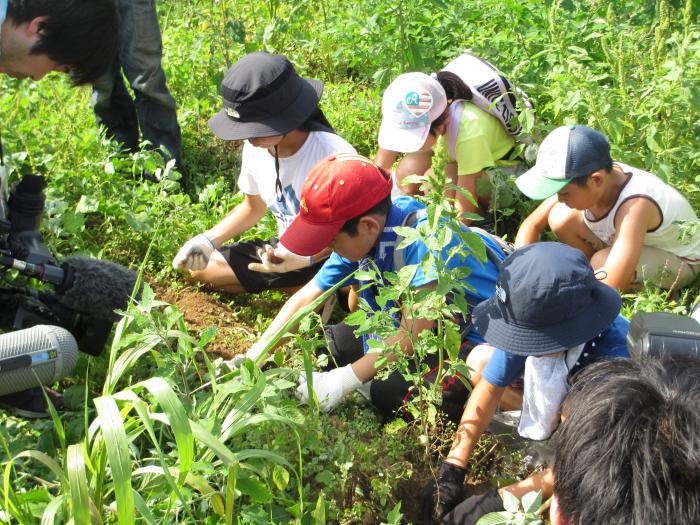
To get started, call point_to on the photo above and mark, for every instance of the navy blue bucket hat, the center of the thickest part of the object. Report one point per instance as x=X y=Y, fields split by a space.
x=547 y=300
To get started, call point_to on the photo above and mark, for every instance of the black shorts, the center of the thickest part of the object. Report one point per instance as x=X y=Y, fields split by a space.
x=391 y=394
x=239 y=255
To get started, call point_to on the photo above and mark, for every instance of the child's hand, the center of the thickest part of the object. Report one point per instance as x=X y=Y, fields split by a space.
x=330 y=387
x=194 y=254
x=442 y=494
x=279 y=260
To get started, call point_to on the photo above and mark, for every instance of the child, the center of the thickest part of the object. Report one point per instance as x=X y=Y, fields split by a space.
x=417 y=109
x=267 y=103
x=346 y=204
x=624 y=219
x=543 y=323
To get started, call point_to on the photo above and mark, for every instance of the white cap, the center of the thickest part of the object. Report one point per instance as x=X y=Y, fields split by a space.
x=410 y=104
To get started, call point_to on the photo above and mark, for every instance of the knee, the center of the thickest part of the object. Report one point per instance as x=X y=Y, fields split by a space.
x=562 y=219
x=600 y=258
x=477 y=360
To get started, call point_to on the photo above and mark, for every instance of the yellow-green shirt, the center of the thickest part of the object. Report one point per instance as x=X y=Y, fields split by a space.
x=481 y=140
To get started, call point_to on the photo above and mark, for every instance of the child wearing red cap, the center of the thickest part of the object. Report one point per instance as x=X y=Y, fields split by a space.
x=346 y=204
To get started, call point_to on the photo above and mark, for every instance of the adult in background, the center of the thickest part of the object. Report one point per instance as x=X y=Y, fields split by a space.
x=153 y=108
x=629 y=450
x=78 y=37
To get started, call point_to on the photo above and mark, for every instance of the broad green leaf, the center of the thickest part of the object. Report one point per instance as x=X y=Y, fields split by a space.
x=280 y=477
x=496 y=518
x=254 y=488
x=52 y=509
x=117 y=446
x=532 y=501
x=510 y=502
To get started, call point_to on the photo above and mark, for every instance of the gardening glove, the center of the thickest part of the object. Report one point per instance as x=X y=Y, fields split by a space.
x=194 y=254
x=330 y=387
x=253 y=353
x=442 y=494
x=472 y=509
x=279 y=260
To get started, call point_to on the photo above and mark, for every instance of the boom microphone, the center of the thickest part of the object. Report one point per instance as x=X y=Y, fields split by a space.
x=40 y=355
x=96 y=287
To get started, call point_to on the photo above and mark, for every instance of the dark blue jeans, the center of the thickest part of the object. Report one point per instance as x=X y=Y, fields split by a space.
x=153 y=109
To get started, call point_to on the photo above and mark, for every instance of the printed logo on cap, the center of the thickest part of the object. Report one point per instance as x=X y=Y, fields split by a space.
x=418 y=104
x=232 y=113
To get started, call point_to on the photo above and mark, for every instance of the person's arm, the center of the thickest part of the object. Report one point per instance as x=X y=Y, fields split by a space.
x=535 y=223
x=634 y=218
x=243 y=217
x=385 y=158
x=469 y=183
x=481 y=406
x=303 y=297
x=365 y=367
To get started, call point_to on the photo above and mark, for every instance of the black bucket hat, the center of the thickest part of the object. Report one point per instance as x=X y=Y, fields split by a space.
x=264 y=96
x=547 y=300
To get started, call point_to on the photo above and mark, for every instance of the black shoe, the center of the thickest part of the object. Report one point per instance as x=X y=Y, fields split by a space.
x=31 y=404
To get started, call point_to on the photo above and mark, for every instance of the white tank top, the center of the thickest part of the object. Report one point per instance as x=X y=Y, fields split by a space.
x=672 y=207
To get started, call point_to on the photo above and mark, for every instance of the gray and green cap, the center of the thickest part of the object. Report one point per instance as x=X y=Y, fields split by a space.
x=566 y=153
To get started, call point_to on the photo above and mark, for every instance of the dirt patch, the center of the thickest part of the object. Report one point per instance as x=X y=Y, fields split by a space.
x=201 y=310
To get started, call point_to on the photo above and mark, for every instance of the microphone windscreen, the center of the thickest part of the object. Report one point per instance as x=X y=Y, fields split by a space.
x=40 y=355
x=96 y=287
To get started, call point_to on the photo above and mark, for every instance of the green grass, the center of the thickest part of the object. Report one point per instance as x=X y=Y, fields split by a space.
x=153 y=434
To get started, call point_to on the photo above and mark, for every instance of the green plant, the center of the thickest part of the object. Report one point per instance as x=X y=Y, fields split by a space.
x=515 y=514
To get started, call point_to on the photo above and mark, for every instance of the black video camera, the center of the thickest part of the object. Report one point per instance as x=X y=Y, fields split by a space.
x=22 y=248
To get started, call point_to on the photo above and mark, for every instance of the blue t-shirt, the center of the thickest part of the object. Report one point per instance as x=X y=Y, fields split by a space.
x=503 y=368
x=482 y=278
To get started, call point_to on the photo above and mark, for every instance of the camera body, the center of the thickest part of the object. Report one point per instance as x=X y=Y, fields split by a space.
x=21 y=306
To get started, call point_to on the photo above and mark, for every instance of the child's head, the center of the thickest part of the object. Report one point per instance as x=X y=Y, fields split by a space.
x=414 y=110
x=547 y=300
x=344 y=203
x=264 y=99
x=577 y=154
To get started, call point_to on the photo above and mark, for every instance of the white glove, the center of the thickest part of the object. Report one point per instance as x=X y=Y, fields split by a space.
x=194 y=254
x=330 y=387
x=253 y=353
x=282 y=260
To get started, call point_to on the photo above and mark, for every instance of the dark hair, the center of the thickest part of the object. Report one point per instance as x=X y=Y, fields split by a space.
x=582 y=181
x=317 y=121
x=629 y=451
x=455 y=88
x=382 y=208
x=80 y=34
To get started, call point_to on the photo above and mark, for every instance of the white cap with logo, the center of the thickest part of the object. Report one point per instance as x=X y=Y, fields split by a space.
x=409 y=105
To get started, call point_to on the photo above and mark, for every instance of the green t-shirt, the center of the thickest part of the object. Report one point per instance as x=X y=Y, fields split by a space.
x=481 y=141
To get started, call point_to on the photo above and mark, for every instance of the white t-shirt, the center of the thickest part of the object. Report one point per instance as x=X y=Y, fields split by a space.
x=258 y=174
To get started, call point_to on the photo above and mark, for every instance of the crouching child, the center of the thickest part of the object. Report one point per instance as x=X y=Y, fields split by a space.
x=346 y=204
x=548 y=318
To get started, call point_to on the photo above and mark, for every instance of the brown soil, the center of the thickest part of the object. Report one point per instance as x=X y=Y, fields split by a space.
x=201 y=310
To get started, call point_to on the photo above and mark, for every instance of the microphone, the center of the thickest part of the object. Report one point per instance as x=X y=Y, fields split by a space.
x=95 y=287
x=36 y=356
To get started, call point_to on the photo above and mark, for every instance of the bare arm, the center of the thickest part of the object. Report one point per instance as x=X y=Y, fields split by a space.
x=634 y=218
x=306 y=295
x=477 y=415
x=535 y=223
x=385 y=159
x=365 y=367
x=242 y=218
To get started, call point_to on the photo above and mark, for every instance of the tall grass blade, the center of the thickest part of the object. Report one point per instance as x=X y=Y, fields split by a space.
x=52 y=509
x=117 y=447
x=179 y=423
x=77 y=481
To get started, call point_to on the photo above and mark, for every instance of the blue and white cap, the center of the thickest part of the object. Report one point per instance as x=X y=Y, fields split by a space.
x=566 y=153
x=409 y=105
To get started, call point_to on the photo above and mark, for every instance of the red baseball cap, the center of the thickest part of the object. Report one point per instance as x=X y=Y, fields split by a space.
x=337 y=189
